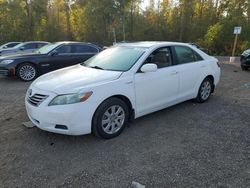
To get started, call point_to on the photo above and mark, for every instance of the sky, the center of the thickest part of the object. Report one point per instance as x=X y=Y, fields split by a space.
x=145 y=4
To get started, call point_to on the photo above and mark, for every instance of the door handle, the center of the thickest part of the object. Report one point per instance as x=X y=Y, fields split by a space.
x=203 y=66
x=174 y=72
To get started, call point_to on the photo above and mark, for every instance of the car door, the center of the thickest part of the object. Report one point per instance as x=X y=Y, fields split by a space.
x=82 y=52
x=190 y=66
x=62 y=57
x=157 y=90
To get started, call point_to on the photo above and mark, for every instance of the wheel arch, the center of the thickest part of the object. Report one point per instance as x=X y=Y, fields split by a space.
x=128 y=103
x=24 y=62
x=124 y=99
x=211 y=77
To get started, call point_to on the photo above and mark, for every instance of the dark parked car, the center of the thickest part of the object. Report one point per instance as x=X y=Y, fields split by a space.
x=245 y=60
x=48 y=58
x=9 y=45
x=25 y=47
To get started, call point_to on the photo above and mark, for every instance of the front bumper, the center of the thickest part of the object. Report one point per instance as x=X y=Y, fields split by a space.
x=7 y=71
x=72 y=119
x=245 y=61
x=245 y=64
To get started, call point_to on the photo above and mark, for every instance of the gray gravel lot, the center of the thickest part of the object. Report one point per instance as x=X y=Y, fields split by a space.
x=188 y=145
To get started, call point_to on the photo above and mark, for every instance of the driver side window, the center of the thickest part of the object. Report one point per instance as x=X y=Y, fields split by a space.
x=161 y=57
x=64 y=49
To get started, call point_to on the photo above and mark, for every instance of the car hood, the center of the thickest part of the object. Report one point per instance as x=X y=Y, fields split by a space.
x=21 y=56
x=73 y=79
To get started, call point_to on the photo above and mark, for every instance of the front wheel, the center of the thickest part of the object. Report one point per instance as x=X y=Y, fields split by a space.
x=205 y=91
x=244 y=68
x=110 y=118
x=27 y=72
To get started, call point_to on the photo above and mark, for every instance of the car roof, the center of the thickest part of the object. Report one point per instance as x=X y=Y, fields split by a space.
x=158 y=44
x=149 y=44
x=9 y=43
x=76 y=42
x=12 y=42
x=35 y=42
x=73 y=42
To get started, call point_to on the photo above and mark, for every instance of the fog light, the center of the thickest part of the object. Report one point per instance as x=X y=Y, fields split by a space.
x=63 y=127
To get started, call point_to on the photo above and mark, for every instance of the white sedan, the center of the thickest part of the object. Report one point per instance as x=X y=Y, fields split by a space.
x=119 y=84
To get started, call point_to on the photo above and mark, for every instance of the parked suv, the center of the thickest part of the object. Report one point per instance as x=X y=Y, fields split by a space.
x=26 y=47
x=48 y=58
x=245 y=60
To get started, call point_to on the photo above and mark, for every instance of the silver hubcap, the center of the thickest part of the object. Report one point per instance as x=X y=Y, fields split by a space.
x=205 y=90
x=27 y=72
x=113 y=119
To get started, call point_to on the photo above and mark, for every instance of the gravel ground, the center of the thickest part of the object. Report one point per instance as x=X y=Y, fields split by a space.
x=188 y=145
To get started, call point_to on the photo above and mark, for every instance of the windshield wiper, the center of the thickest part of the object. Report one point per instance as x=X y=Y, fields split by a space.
x=97 y=67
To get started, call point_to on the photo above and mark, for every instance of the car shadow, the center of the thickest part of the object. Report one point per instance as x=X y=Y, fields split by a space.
x=10 y=79
x=139 y=124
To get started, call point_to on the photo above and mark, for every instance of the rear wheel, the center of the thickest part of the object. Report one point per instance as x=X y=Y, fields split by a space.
x=110 y=118
x=27 y=72
x=205 y=90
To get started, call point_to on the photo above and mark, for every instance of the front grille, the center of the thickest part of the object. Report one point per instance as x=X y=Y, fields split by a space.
x=37 y=99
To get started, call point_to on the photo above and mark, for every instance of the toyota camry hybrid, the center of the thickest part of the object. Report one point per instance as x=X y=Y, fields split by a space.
x=119 y=84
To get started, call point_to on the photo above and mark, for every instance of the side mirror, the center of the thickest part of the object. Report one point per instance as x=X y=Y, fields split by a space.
x=54 y=53
x=4 y=47
x=21 y=48
x=150 y=67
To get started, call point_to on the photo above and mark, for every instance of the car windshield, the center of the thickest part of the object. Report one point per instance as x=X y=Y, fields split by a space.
x=47 y=48
x=115 y=58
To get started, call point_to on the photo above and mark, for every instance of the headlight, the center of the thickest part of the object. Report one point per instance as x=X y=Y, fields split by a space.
x=7 y=61
x=70 y=98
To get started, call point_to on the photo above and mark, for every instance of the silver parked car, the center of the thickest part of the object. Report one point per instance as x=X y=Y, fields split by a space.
x=9 y=45
x=26 y=47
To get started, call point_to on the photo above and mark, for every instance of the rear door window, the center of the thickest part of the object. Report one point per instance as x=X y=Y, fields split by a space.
x=186 y=55
x=92 y=49
x=83 y=49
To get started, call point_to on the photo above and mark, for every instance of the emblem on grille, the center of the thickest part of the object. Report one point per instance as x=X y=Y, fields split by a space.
x=30 y=92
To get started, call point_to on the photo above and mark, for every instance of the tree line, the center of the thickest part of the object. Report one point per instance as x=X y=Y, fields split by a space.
x=208 y=23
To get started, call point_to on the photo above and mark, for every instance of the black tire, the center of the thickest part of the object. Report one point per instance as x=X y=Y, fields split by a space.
x=27 y=72
x=201 y=98
x=98 y=119
x=244 y=68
